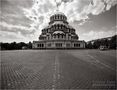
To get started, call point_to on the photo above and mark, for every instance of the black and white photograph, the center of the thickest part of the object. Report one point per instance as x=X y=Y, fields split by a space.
x=58 y=44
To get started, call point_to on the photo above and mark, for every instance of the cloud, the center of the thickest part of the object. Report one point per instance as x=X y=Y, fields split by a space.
x=95 y=34
x=77 y=10
x=10 y=28
x=92 y=35
x=28 y=17
x=13 y=36
x=39 y=13
x=19 y=33
x=11 y=12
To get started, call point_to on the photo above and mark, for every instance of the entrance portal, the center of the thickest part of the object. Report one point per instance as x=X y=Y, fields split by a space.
x=58 y=45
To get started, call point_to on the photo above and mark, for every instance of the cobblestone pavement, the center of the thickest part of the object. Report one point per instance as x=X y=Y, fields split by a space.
x=58 y=69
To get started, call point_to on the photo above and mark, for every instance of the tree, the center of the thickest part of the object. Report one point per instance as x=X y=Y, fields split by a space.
x=89 y=45
x=30 y=45
x=112 y=43
x=109 y=42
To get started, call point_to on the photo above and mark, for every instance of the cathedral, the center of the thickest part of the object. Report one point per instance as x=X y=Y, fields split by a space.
x=58 y=35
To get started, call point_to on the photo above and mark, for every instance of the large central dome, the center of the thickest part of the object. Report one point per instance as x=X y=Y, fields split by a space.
x=58 y=16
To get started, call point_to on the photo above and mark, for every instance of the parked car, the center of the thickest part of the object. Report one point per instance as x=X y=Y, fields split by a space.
x=103 y=47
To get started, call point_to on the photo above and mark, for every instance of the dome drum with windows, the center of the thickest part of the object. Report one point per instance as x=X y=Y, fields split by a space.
x=58 y=34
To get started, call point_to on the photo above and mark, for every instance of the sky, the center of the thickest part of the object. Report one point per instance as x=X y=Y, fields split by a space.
x=23 y=20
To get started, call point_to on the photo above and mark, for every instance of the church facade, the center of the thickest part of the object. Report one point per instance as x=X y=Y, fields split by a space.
x=58 y=35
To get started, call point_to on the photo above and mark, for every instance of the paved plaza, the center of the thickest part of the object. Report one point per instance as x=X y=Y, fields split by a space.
x=58 y=69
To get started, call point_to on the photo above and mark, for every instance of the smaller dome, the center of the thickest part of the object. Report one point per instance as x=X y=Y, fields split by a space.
x=58 y=16
x=70 y=27
x=46 y=28
x=58 y=32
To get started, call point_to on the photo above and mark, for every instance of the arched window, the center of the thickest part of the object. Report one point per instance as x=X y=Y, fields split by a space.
x=58 y=35
x=57 y=26
x=64 y=27
x=55 y=16
x=62 y=36
x=62 y=17
x=60 y=26
x=54 y=27
x=58 y=17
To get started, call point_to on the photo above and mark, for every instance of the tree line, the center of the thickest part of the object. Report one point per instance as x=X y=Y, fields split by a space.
x=109 y=42
x=15 y=46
